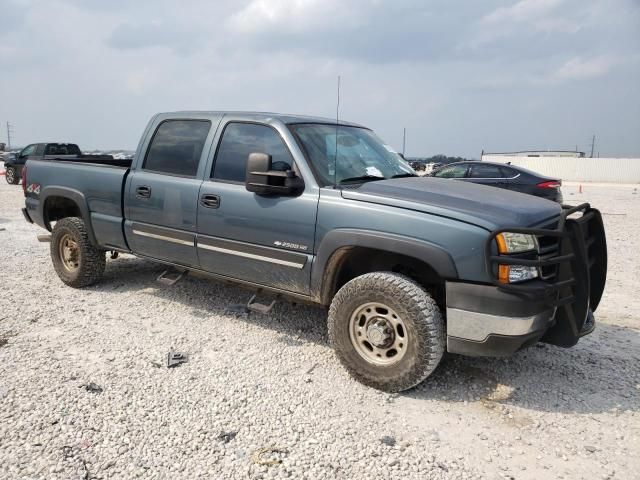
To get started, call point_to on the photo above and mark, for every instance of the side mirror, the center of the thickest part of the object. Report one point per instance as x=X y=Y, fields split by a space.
x=262 y=180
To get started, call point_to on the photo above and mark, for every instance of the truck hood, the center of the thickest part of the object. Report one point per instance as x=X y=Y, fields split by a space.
x=481 y=205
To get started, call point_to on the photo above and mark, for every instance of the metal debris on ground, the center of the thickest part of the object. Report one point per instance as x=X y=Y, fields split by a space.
x=176 y=358
x=257 y=455
x=388 y=441
x=311 y=369
x=92 y=387
x=226 y=437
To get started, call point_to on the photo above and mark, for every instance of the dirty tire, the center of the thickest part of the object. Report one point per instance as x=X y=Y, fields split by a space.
x=422 y=319
x=91 y=261
x=11 y=176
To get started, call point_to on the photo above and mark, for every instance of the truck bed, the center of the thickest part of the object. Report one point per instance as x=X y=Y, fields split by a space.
x=102 y=182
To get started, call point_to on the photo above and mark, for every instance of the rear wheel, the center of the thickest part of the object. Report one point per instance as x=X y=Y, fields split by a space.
x=386 y=330
x=76 y=261
x=11 y=176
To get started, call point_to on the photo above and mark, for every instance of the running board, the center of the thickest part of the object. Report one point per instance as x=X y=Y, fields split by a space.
x=257 y=307
x=171 y=276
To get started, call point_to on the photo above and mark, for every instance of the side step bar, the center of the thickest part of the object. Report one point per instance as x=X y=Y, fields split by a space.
x=171 y=276
x=257 y=307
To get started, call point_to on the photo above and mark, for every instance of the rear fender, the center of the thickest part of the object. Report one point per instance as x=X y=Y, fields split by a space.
x=75 y=196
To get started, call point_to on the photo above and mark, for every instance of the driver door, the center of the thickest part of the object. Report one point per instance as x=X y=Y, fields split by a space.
x=264 y=240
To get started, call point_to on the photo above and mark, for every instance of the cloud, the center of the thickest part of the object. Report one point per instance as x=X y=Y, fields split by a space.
x=293 y=15
x=523 y=11
x=578 y=68
x=159 y=33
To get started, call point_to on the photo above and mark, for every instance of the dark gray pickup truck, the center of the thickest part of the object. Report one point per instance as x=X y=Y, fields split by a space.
x=48 y=151
x=326 y=213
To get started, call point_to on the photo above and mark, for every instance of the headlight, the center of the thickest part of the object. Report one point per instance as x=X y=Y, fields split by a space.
x=516 y=273
x=509 y=242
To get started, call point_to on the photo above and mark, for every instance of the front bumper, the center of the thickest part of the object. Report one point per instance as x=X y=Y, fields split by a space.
x=500 y=319
x=484 y=321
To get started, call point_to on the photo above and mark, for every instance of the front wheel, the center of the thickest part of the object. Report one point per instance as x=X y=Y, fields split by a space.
x=76 y=261
x=11 y=176
x=386 y=330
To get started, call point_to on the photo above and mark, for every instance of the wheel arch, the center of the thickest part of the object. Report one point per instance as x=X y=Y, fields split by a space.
x=61 y=202
x=346 y=253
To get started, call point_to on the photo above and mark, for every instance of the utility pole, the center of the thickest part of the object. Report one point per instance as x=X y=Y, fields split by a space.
x=9 y=131
x=593 y=143
x=404 y=140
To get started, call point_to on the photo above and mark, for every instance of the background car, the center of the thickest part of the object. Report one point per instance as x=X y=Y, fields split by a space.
x=505 y=176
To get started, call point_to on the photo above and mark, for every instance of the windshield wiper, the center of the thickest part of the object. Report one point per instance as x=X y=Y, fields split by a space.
x=402 y=175
x=362 y=178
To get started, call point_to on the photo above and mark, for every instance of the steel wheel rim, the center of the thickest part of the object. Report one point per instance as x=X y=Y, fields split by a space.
x=69 y=252
x=378 y=334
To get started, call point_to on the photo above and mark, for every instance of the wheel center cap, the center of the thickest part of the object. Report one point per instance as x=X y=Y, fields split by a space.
x=379 y=333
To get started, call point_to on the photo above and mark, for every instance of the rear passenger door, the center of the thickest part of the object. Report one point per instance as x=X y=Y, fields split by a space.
x=487 y=174
x=162 y=192
x=259 y=239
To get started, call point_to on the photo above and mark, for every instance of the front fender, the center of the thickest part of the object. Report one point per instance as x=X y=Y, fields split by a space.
x=433 y=255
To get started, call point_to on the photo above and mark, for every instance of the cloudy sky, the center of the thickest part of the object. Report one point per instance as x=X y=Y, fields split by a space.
x=460 y=75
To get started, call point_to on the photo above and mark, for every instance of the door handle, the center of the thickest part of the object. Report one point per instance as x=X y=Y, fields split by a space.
x=143 y=191
x=210 y=201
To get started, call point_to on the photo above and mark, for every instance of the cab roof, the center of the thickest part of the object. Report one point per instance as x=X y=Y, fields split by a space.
x=266 y=116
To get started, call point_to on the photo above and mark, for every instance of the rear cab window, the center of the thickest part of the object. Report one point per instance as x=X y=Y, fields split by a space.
x=62 y=149
x=238 y=141
x=176 y=147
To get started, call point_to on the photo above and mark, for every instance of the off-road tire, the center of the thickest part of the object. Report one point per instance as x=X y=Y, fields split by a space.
x=11 y=176
x=91 y=260
x=420 y=314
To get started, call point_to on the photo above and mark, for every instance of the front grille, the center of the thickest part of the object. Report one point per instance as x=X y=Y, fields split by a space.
x=572 y=262
x=563 y=246
x=548 y=247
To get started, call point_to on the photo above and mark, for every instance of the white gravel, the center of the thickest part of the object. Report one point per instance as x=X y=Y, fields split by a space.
x=544 y=413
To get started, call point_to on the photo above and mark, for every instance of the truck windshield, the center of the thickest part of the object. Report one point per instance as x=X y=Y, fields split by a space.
x=356 y=155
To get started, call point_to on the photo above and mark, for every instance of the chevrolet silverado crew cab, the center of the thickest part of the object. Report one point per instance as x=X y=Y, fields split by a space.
x=325 y=212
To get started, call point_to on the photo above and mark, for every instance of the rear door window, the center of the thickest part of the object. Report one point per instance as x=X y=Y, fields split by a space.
x=454 y=171
x=509 y=172
x=241 y=139
x=176 y=147
x=485 y=171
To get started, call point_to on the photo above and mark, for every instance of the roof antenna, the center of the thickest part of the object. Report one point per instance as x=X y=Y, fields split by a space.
x=335 y=159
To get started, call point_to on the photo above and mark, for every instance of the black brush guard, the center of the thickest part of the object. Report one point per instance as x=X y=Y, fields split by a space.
x=579 y=266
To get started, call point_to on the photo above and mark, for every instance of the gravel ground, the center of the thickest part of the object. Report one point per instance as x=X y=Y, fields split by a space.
x=271 y=382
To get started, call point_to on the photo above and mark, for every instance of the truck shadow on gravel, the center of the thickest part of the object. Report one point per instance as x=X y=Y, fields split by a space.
x=298 y=323
x=598 y=375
